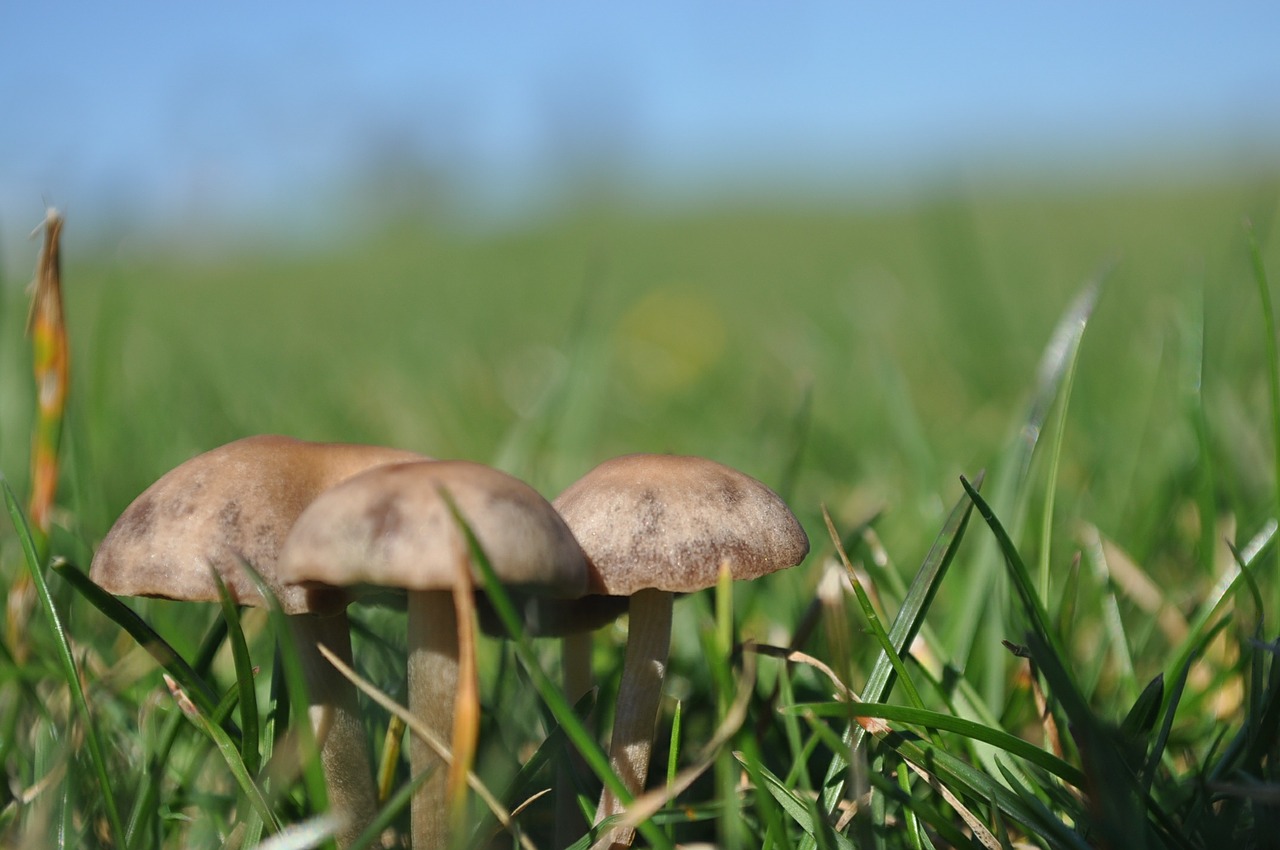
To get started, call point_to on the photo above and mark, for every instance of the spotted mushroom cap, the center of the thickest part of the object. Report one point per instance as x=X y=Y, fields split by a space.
x=667 y=522
x=393 y=527
x=231 y=505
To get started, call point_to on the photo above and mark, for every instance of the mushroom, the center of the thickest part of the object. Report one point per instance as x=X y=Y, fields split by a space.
x=232 y=506
x=393 y=527
x=653 y=526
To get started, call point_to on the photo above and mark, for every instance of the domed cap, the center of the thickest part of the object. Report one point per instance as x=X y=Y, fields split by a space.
x=230 y=505
x=667 y=522
x=392 y=527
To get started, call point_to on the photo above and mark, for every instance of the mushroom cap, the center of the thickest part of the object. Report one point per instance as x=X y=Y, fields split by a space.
x=667 y=522
x=393 y=527
x=228 y=506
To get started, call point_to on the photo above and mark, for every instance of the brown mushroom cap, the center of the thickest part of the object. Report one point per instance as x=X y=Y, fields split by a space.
x=231 y=505
x=392 y=527
x=668 y=522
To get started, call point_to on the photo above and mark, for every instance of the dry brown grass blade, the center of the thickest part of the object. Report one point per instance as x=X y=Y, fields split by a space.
x=50 y=363
x=441 y=749
x=979 y=830
x=874 y=725
x=466 y=717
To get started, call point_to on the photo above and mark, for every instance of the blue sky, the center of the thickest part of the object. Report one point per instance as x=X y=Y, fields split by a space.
x=160 y=113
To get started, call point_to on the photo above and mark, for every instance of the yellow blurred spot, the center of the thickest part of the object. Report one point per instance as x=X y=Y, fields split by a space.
x=668 y=340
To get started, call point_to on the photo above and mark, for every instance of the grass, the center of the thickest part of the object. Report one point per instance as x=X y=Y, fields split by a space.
x=1033 y=437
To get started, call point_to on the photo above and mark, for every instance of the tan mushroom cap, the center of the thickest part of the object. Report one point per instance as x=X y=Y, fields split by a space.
x=667 y=522
x=392 y=527
x=230 y=505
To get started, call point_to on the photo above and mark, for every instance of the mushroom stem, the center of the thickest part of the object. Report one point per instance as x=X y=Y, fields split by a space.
x=335 y=720
x=639 y=693
x=433 y=686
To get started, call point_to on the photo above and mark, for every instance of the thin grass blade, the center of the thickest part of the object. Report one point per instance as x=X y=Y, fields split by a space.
x=906 y=625
x=298 y=698
x=928 y=719
x=872 y=618
x=975 y=615
x=69 y=669
x=250 y=750
x=230 y=754
x=195 y=685
x=1022 y=583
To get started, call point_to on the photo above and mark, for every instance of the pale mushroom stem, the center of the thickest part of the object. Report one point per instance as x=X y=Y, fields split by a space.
x=335 y=719
x=639 y=693
x=433 y=687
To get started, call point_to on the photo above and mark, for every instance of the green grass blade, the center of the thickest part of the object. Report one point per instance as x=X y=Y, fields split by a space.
x=1259 y=269
x=872 y=618
x=928 y=719
x=975 y=614
x=945 y=828
x=197 y=688
x=250 y=749
x=1070 y=357
x=1118 y=809
x=230 y=754
x=1022 y=583
x=298 y=697
x=147 y=802
x=1222 y=591
x=906 y=625
x=69 y=670
x=800 y=810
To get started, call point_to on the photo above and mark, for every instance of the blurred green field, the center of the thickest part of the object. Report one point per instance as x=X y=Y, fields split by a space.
x=887 y=350
x=857 y=359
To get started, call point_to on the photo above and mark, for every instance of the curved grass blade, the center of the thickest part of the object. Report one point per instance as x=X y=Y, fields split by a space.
x=195 y=685
x=1117 y=808
x=298 y=697
x=1045 y=823
x=1223 y=589
x=1156 y=753
x=230 y=754
x=250 y=749
x=799 y=809
x=941 y=824
x=69 y=669
x=873 y=618
x=1273 y=352
x=146 y=803
x=1011 y=744
x=1022 y=583
x=906 y=625
x=1015 y=466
